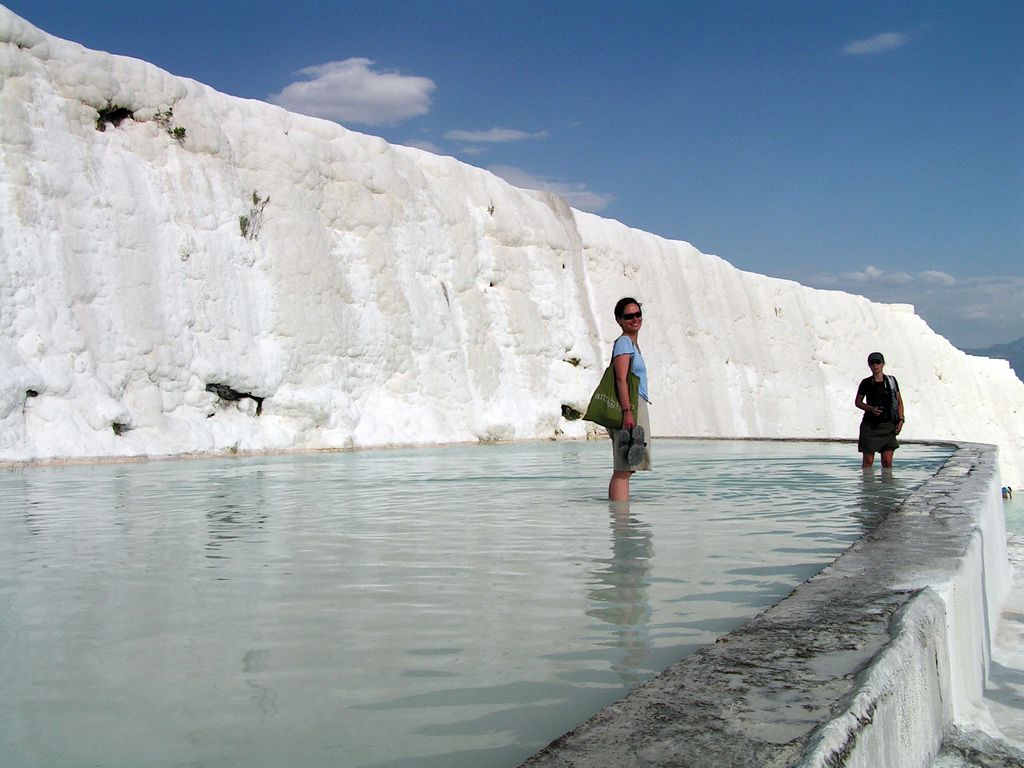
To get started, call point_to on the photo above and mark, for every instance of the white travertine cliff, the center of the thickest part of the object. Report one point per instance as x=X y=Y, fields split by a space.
x=387 y=296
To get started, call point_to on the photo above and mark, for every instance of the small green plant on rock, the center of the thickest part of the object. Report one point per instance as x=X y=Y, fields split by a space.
x=165 y=120
x=250 y=223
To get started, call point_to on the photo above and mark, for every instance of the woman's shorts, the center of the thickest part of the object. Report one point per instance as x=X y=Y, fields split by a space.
x=619 y=462
x=875 y=438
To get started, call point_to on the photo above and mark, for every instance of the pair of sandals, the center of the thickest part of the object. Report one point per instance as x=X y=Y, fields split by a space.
x=631 y=443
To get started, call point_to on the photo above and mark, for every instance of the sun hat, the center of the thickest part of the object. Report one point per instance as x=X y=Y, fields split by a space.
x=875 y=357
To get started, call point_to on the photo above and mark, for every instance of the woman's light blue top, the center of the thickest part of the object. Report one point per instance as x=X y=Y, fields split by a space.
x=625 y=346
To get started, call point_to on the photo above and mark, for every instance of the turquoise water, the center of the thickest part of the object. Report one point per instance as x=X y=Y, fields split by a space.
x=448 y=607
x=1014 y=509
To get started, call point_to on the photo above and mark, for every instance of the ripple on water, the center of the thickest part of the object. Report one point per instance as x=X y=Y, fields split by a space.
x=428 y=607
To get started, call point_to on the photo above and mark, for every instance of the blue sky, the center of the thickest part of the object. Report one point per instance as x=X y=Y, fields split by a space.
x=870 y=147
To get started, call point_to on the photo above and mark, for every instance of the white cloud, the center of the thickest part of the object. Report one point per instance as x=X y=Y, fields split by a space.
x=576 y=194
x=886 y=41
x=933 y=276
x=494 y=135
x=972 y=312
x=350 y=91
x=875 y=275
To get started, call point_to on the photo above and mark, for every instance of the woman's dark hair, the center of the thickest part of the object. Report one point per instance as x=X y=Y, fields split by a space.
x=621 y=304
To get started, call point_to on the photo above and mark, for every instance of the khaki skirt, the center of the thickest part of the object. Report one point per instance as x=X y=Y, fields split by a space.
x=619 y=463
x=875 y=438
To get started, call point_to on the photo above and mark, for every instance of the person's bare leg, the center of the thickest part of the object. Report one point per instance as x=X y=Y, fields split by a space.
x=886 y=459
x=618 y=487
x=869 y=460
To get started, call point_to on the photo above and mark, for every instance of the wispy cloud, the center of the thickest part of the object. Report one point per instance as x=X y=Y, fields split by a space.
x=494 y=135
x=886 y=41
x=575 y=193
x=871 y=274
x=972 y=312
x=350 y=91
x=425 y=145
x=933 y=276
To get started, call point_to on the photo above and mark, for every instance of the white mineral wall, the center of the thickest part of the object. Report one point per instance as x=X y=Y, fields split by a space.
x=391 y=296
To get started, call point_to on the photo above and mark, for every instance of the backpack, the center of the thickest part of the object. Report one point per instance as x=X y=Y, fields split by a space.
x=894 y=405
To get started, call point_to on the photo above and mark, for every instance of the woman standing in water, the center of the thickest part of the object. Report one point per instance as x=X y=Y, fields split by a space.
x=631 y=448
x=879 y=397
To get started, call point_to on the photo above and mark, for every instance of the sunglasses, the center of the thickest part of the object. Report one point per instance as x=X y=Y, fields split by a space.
x=875 y=362
x=632 y=315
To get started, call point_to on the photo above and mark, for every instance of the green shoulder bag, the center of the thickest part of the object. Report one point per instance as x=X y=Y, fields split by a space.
x=604 y=408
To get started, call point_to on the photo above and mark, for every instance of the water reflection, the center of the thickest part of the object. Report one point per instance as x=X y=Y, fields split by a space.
x=236 y=512
x=435 y=607
x=879 y=494
x=619 y=592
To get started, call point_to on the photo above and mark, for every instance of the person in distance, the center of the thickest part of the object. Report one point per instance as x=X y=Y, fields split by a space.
x=879 y=397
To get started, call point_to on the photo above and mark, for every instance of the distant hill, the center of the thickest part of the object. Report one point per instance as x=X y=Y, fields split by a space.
x=1014 y=352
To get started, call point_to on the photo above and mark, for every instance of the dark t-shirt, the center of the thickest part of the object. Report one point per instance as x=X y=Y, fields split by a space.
x=877 y=393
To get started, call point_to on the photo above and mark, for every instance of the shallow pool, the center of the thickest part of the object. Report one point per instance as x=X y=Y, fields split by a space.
x=452 y=607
